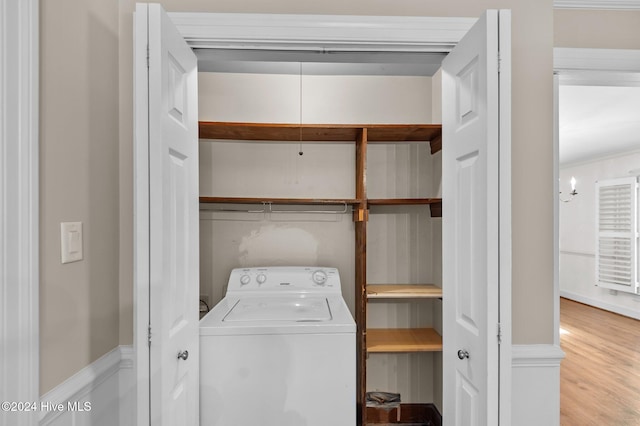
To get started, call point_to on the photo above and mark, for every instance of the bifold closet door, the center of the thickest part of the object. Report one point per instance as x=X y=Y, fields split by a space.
x=471 y=225
x=167 y=121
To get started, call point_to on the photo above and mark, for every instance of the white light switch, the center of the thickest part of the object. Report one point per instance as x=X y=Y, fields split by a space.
x=71 y=241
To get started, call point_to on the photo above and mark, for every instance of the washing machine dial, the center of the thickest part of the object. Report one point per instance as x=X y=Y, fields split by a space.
x=319 y=277
x=261 y=278
x=245 y=279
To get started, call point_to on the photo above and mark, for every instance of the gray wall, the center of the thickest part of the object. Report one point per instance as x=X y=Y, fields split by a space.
x=597 y=29
x=79 y=305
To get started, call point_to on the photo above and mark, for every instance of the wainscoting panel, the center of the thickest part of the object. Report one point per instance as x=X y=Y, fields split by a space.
x=94 y=395
x=127 y=383
x=536 y=385
x=108 y=386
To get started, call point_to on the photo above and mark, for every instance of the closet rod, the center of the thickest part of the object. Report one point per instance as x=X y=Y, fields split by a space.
x=267 y=207
x=343 y=211
x=238 y=210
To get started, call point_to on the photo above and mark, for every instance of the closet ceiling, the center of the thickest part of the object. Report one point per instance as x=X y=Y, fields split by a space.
x=318 y=62
x=598 y=121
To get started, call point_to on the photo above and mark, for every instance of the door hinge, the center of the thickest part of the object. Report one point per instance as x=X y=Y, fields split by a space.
x=499 y=334
x=149 y=335
x=499 y=63
x=147 y=56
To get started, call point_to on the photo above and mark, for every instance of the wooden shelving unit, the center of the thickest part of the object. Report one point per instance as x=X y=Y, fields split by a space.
x=266 y=200
x=403 y=291
x=387 y=133
x=387 y=340
x=377 y=340
x=411 y=338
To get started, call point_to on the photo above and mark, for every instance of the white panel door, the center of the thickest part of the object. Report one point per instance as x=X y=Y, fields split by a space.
x=172 y=129
x=471 y=135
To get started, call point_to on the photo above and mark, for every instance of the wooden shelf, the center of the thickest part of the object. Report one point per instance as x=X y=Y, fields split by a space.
x=323 y=132
x=402 y=201
x=291 y=201
x=403 y=291
x=407 y=133
x=435 y=204
x=278 y=132
x=385 y=340
x=403 y=132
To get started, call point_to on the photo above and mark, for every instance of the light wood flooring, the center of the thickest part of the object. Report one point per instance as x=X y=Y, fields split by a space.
x=600 y=376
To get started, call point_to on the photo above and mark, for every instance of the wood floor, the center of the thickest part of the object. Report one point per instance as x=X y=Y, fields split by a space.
x=600 y=376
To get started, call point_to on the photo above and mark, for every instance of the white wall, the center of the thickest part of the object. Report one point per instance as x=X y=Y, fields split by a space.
x=578 y=234
x=275 y=98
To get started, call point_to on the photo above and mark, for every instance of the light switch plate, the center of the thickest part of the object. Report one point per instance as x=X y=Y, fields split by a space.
x=71 y=241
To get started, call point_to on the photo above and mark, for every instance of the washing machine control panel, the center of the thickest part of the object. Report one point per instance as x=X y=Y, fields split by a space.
x=319 y=277
x=280 y=278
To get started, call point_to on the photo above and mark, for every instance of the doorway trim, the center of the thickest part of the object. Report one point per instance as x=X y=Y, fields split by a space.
x=326 y=34
x=19 y=282
x=582 y=66
x=597 y=4
x=323 y=34
x=567 y=61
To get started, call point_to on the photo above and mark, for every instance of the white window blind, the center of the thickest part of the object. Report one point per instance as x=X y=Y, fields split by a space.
x=617 y=234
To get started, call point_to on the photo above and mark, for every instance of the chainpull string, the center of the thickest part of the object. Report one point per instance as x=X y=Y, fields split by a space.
x=300 y=143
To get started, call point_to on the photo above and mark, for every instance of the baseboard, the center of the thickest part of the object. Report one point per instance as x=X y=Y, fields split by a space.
x=536 y=385
x=127 y=389
x=91 y=396
x=620 y=310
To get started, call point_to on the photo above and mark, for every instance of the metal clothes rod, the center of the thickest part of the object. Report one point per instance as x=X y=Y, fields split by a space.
x=267 y=207
x=343 y=211
x=264 y=210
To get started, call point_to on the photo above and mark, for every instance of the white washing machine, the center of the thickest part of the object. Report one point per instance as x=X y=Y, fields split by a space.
x=279 y=350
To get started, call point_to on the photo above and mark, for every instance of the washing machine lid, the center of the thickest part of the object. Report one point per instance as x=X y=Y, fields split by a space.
x=284 y=308
x=278 y=315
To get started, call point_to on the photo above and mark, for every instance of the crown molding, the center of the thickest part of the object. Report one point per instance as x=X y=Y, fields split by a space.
x=597 y=4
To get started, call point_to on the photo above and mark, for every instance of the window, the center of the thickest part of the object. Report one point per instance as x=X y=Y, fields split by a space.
x=617 y=234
